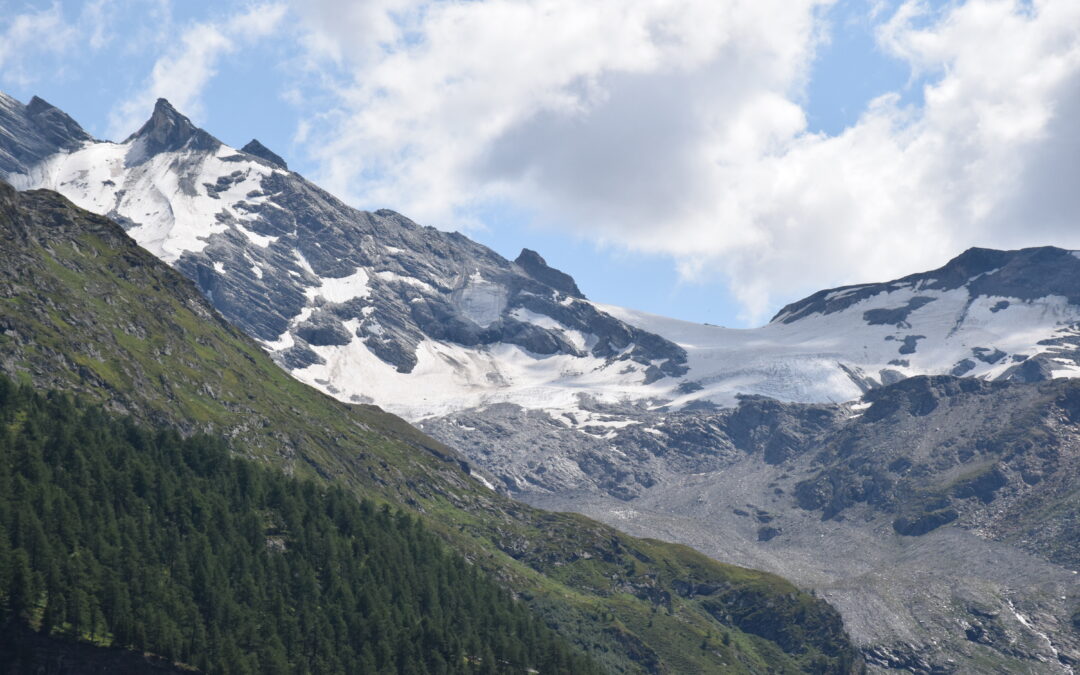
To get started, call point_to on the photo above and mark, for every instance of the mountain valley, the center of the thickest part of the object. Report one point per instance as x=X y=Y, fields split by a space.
x=85 y=311
x=909 y=450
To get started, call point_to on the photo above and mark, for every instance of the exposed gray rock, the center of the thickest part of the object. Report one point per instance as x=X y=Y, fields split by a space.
x=422 y=283
x=536 y=267
x=911 y=343
x=254 y=147
x=30 y=133
x=897 y=316
x=1025 y=274
x=168 y=130
x=963 y=368
x=987 y=355
x=911 y=516
x=323 y=329
x=1035 y=369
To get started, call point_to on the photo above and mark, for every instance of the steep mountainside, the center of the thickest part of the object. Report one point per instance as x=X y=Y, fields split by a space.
x=736 y=441
x=83 y=308
x=364 y=305
x=372 y=307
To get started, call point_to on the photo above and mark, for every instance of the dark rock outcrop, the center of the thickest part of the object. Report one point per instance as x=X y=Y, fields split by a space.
x=30 y=133
x=1025 y=274
x=254 y=147
x=536 y=267
x=167 y=130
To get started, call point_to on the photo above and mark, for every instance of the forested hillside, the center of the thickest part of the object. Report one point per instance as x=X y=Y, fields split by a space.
x=120 y=535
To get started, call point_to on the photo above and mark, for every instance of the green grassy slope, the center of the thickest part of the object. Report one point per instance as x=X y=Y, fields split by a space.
x=83 y=309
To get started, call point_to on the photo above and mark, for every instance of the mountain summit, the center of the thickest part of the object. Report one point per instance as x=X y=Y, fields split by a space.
x=369 y=306
x=168 y=131
x=30 y=133
x=361 y=304
x=254 y=147
x=1026 y=274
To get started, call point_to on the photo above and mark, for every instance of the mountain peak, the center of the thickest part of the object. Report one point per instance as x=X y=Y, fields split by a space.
x=1024 y=274
x=168 y=130
x=32 y=132
x=38 y=104
x=537 y=268
x=54 y=124
x=254 y=147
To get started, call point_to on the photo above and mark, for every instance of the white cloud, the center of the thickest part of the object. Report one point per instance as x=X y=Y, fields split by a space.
x=565 y=104
x=675 y=127
x=29 y=36
x=38 y=44
x=188 y=64
x=989 y=159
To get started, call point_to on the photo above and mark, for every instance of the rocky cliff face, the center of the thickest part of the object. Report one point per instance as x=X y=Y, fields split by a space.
x=370 y=306
x=34 y=132
x=940 y=514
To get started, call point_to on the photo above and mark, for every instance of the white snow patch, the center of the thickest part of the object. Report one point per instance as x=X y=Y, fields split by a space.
x=255 y=238
x=579 y=340
x=394 y=277
x=343 y=289
x=302 y=316
x=303 y=262
x=484 y=481
x=165 y=197
x=284 y=341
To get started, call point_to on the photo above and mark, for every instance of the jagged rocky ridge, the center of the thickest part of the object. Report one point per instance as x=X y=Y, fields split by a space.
x=650 y=423
x=352 y=301
x=369 y=306
x=34 y=132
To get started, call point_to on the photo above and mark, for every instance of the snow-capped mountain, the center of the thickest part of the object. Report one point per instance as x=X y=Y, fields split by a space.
x=990 y=314
x=752 y=445
x=373 y=307
x=367 y=306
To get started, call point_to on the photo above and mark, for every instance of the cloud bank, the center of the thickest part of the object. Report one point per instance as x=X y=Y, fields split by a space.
x=677 y=127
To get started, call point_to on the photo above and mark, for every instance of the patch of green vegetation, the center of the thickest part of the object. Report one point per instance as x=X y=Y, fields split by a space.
x=104 y=319
x=116 y=535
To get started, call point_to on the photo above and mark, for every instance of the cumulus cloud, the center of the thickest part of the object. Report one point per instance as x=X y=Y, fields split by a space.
x=445 y=99
x=986 y=159
x=190 y=62
x=676 y=127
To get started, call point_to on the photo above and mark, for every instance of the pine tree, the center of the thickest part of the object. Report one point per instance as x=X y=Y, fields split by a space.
x=22 y=589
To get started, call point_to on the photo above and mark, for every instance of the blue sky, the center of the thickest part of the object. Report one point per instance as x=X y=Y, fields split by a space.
x=735 y=158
